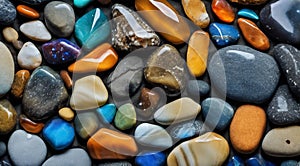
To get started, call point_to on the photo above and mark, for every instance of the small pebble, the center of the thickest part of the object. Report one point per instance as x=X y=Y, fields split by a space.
x=2 y=148
x=66 y=78
x=86 y=124
x=17 y=44
x=35 y=30
x=223 y=10
x=8 y=117
x=66 y=113
x=10 y=34
x=29 y=125
x=151 y=159
x=20 y=81
x=107 y=112
x=29 y=56
x=248 y=13
x=28 y=12
x=223 y=35
x=7 y=69
x=125 y=117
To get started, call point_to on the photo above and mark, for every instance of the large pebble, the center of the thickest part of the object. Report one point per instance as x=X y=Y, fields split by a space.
x=195 y=151
x=125 y=117
x=7 y=69
x=8 y=117
x=86 y=124
x=151 y=159
x=8 y=12
x=152 y=135
x=185 y=130
x=37 y=92
x=26 y=149
x=36 y=30
x=282 y=142
x=244 y=74
x=29 y=56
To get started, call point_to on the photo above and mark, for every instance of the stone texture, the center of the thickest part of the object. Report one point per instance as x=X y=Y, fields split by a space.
x=8 y=117
x=10 y=34
x=196 y=11
x=35 y=30
x=20 y=81
x=125 y=117
x=28 y=12
x=29 y=56
x=8 y=12
x=7 y=69
x=223 y=10
x=86 y=124
x=29 y=125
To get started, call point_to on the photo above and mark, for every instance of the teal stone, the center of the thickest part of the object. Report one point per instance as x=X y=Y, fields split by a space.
x=107 y=112
x=125 y=117
x=248 y=13
x=92 y=29
x=81 y=3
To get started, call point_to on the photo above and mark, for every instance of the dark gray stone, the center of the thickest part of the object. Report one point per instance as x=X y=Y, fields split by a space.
x=244 y=74
x=35 y=2
x=284 y=109
x=8 y=12
x=198 y=87
x=44 y=94
x=2 y=148
x=186 y=129
x=86 y=124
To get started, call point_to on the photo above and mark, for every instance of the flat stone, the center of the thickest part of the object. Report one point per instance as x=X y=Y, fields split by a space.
x=198 y=88
x=7 y=69
x=59 y=18
x=26 y=149
x=66 y=113
x=185 y=130
x=2 y=148
x=244 y=74
x=81 y=3
x=107 y=112
x=248 y=13
x=223 y=35
x=29 y=125
x=130 y=31
x=20 y=81
x=28 y=12
x=247 y=128
x=152 y=136
x=35 y=2
x=86 y=124
x=249 y=2
x=10 y=34
x=74 y=157
x=29 y=56
x=8 y=12
x=125 y=117
x=150 y=159
x=223 y=10
x=282 y=142
x=175 y=111
x=35 y=30
x=37 y=92
x=89 y=92
x=196 y=11
x=8 y=117
x=194 y=151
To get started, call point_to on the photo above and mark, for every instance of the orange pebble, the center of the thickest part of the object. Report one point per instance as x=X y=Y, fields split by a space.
x=223 y=10
x=27 y=12
x=29 y=125
x=66 y=78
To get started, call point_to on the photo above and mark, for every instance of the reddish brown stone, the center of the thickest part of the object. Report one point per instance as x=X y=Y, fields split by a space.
x=29 y=125
x=20 y=81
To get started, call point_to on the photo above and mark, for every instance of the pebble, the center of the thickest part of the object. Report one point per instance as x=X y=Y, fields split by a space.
x=185 y=130
x=198 y=88
x=28 y=12
x=151 y=135
x=66 y=113
x=289 y=163
x=29 y=125
x=195 y=151
x=251 y=76
x=29 y=56
x=196 y=12
x=35 y=2
x=89 y=92
x=59 y=134
x=59 y=18
x=81 y=3
x=235 y=161
x=217 y=113
x=223 y=35
x=287 y=141
x=166 y=68
x=284 y=29
x=253 y=35
x=2 y=148
x=86 y=124
x=223 y=10
x=107 y=112
x=288 y=58
x=20 y=81
x=37 y=92
x=26 y=149
x=74 y=157
x=10 y=34
x=102 y=58
x=148 y=102
x=8 y=117
x=109 y=144
x=248 y=13
x=17 y=44
x=125 y=117
x=66 y=78
x=130 y=31
x=249 y=2
x=7 y=69
x=197 y=53
x=35 y=30
x=92 y=28
x=8 y=12
x=151 y=159
x=116 y=163
x=247 y=128
x=60 y=52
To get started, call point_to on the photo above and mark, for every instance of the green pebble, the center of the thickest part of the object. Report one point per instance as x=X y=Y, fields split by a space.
x=125 y=117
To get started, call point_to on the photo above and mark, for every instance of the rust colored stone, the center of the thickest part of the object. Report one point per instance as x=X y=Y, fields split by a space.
x=66 y=78
x=223 y=10
x=148 y=102
x=28 y=12
x=29 y=125
x=20 y=81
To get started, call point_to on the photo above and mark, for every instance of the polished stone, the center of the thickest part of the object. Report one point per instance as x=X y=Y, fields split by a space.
x=8 y=117
x=196 y=11
x=7 y=69
x=66 y=78
x=223 y=10
x=8 y=12
x=148 y=102
x=35 y=30
x=81 y=3
x=125 y=117
x=28 y=12
x=66 y=113
x=223 y=35
x=107 y=112
x=185 y=130
x=29 y=125
x=29 y=57
x=248 y=13
x=20 y=81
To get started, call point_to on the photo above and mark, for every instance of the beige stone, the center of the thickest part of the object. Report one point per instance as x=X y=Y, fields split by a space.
x=10 y=34
x=66 y=113
x=7 y=69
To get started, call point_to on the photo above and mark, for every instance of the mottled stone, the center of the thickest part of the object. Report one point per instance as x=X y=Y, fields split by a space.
x=185 y=130
x=29 y=56
x=36 y=30
x=125 y=117
x=151 y=159
x=8 y=12
x=248 y=13
x=8 y=117
x=223 y=10
x=86 y=124
x=20 y=81
x=198 y=88
x=29 y=125
x=28 y=12
x=7 y=69
x=223 y=35
x=35 y=2
x=196 y=11
x=66 y=113
x=10 y=34
x=249 y=2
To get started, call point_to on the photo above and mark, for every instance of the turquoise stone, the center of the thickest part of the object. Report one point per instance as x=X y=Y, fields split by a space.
x=223 y=35
x=248 y=13
x=151 y=159
x=81 y=3
x=107 y=112
x=92 y=29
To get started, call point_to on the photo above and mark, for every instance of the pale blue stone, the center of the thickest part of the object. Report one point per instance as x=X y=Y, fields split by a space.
x=107 y=112
x=248 y=13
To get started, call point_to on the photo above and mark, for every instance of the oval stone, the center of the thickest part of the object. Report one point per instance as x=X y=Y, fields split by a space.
x=29 y=56
x=8 y=12
x=223 y=34
x=10 y=34
x=66 y=113
x=7 y=69
x=28 y=12
x=223 y=10
x=36 y=30
x=248 y=13
x=8 y=117
x=125 y=117
x=196 y=11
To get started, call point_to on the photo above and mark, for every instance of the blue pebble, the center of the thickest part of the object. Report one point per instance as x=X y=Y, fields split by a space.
x=107 y=112
x=248 y=13
x=235 y=161
x=223 y=34
x=289 y=163
x=59 y=133
x=151 y=159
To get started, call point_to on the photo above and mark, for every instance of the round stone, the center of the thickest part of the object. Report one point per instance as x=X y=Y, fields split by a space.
x=196 y=11
x=8 y=12
x=29 y=56
x=8 y=117
x=7 y=69
x=66 y=113
x=10 y=34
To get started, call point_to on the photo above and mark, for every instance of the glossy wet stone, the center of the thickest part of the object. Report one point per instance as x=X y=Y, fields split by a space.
x=60 y=52
x=34 y=2
x=35 y=30
x=2 y=148
x=250 y=76
x=223 y=34
x=148 y=102
x=185 y=130
x=253 y=35
x=198 y=88
x=125 y=117
x=248 y=13
x=66 y=113
x=130 y=31
x=249 y=2
x=235 y=161
x=92 y=28
x=26 y=149
x=7 y=69
x=28 y=12
x=288 y=58
x=8 y=117
x=107 y=112
x=196 y=11
x=20 y=81
x=8 y=12
x=81 y=3
x=37 y=92
x=66 y=78
x=29 y=56
x=194 y=151
x=109 y=144
x=10 y=34
x=280 y=21
x=151 y=159
x=59 y=134
x=86 y=124
x=102 y=58
x=29 y=125
x=223 y=10
x=174 y=28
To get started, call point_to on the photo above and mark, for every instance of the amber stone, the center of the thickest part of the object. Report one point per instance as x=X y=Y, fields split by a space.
x=196 y=11
x=29 y=125
x=109 y=144
x=223 y=10
x=28 y=12
x=20 y=81
x=164 y=18
x=253 y=35
x=66 y=78
x=102 y=58
x=198 y=52
x=148 y=102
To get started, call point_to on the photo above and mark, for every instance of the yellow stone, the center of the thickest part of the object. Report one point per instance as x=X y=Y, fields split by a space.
x=66 y=113
x=196 y=11
x=198 y=52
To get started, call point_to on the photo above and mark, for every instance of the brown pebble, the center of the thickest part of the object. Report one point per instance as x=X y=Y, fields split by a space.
x=148 y=102
x=10 y=34
x=20 y=81
x=66 y=113
x=17 y=44
x=66 y=78
x=29 y=125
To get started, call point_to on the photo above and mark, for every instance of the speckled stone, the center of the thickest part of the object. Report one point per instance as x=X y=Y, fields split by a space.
x=86 y=124
x=34 y=2
x=7 y=69
x=185 y=130
x=8 y=117
x=8 y=12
